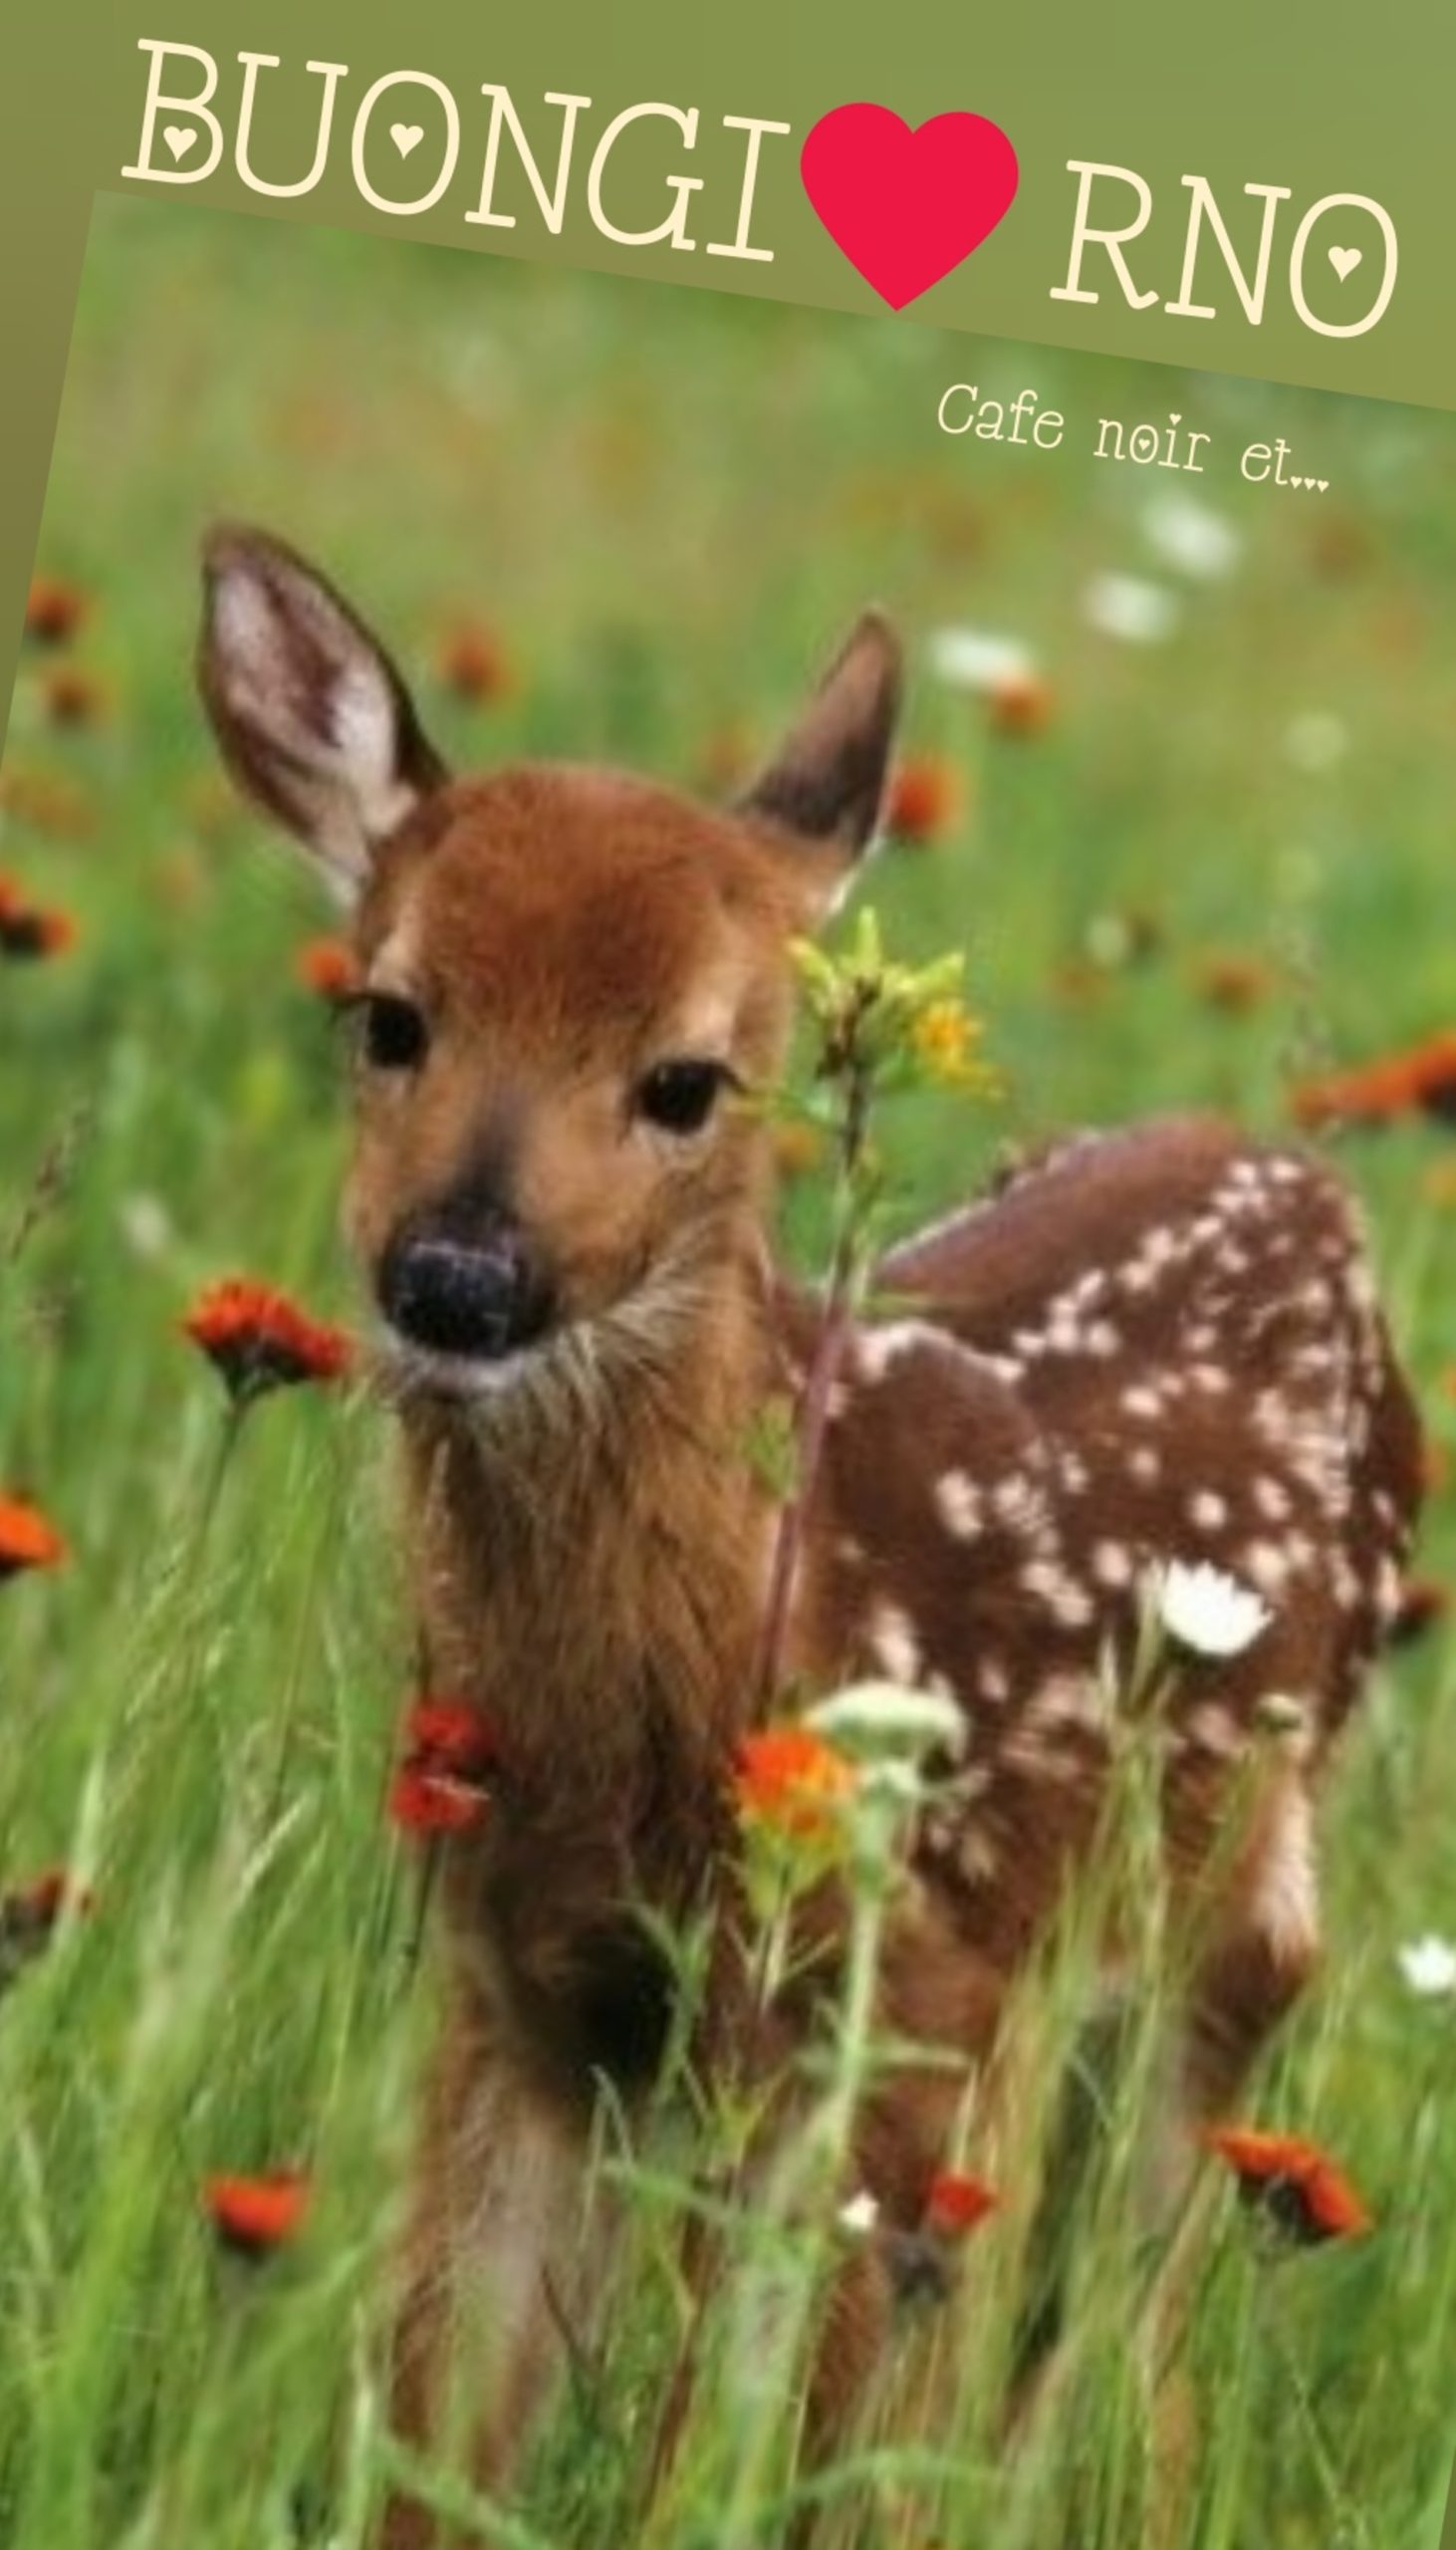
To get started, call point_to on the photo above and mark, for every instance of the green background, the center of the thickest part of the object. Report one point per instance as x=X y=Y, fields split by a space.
x=661 y=508
x=1319 y=98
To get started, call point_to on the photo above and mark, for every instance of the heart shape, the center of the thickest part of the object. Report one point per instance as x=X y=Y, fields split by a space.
x=180 y=139
x=404 y=137
x=905 y=203
x=1344 y=261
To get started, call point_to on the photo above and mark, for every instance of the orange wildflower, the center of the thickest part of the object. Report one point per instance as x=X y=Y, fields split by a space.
x=255 y=2216
x=798 y=1147
x=440 y=1785
x=29 y=1914
x=1021 y=705
x=330 y=967
x=789 y=1777
x=1422 y=1081
x=1231 y=982
x=1423 y=1606
x=260 y=1341
x=473 y=662
x=72 y=697
x=1296 y=2184
x=955 y=2204
x=46 y=801
x=27 y=1540
x=923 y=799
x=54 y=611
x=26 y=930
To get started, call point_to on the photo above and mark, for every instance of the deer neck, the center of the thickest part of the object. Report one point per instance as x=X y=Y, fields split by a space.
x=591 y=1565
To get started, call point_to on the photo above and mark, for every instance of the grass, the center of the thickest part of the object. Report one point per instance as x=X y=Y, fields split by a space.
x=666 y=506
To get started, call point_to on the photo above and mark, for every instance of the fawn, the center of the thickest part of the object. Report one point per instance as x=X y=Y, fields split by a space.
x=1153 y=1344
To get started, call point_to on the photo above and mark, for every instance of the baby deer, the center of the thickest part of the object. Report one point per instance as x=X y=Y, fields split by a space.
x=1151 y=1346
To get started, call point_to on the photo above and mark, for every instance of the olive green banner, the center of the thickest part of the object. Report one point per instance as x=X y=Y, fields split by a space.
x=1258 y=192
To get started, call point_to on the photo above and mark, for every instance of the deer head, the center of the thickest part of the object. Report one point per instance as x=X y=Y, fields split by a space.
x=569 y=977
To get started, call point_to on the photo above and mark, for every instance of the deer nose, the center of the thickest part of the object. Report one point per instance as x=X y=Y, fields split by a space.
x=477 y=1297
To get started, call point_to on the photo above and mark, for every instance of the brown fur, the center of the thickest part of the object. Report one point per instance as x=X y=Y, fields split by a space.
x=1153 y=1346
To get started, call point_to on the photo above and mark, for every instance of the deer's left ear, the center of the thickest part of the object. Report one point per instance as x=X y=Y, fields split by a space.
x=826 y=783
x=311 y=715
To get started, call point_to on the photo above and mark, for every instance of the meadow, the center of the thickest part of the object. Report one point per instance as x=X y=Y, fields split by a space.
x=1191 y=866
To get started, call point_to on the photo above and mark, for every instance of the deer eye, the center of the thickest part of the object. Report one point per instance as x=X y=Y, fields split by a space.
x=395 y=1037
x=679 y=1096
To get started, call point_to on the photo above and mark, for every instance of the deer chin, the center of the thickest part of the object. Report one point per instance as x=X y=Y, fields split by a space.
x=410 y=1372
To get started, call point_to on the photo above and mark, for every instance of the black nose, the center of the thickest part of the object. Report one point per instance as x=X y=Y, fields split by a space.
x=477 y=1297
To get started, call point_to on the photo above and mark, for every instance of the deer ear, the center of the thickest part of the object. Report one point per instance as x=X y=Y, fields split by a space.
x=825 y=782
x=313 y=718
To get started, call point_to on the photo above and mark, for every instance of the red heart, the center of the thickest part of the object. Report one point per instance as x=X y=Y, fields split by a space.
x=907 y=205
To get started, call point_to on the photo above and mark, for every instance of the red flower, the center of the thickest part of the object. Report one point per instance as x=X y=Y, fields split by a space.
x=923 y=799
x=474 y=664
x=260 y=1341
x=330 y=967
x=255 y=2216
x=1422 y=1081
x=440 y=1785
x=789 y=1777
x=54 y=611
x=27 y=930
x=1296 y=2184
x=956 y=2203
x=26 y=1538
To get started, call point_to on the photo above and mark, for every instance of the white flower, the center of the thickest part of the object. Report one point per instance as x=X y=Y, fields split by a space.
x=885 y=1717
x=1315 y=741
x=860 y=2217
x=1191 y=537
x=1130 y=607
x=1429 y=1968
x=1206 y=1611
x=146 y=1225
x=979 y=659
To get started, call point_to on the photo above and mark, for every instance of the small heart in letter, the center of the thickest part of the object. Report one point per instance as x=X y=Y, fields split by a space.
x=1344 y=261
x=180 y=139
x=404 y=137
x=906 y=203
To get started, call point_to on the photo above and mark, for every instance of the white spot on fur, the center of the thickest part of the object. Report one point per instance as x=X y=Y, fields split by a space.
x=1265 y=1565
x=1111 y=1565
x=894 y=1643
x=1070 y=1604
x=958 y=1504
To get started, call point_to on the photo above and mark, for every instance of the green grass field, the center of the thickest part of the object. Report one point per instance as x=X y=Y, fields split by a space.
x=664 y=506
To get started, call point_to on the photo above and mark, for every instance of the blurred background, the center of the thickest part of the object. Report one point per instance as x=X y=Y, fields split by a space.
x=1178 y=774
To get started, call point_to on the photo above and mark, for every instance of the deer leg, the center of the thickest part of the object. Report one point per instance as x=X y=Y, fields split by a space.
x=1252 y=1963
x=503 y=2252
x=1259 y=1951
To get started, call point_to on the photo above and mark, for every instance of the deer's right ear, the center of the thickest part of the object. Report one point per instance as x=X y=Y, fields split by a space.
x=313 y=718
x=824 y=784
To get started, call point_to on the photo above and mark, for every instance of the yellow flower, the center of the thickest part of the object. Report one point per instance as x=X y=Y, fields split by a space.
x=944 y=1038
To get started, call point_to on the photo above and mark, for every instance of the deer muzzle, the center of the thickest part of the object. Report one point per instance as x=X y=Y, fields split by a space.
x=479 y=1297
